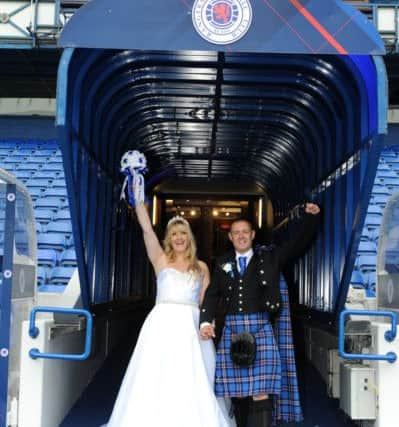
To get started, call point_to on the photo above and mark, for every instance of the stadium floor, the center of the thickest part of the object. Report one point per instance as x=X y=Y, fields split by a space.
x=95 y=405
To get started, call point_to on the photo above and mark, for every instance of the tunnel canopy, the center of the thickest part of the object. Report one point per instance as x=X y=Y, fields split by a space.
x=296 y=125
x=267 y=26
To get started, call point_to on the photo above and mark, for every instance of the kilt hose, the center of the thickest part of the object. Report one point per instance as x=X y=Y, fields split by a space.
x=274 y=370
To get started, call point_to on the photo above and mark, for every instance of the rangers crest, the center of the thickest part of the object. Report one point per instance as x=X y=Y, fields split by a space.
x=222 y=21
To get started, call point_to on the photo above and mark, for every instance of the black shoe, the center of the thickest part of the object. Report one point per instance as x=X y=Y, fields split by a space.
x=241 y=409
x=260 y=414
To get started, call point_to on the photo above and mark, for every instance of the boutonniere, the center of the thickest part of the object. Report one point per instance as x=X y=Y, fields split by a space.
x=227 y=267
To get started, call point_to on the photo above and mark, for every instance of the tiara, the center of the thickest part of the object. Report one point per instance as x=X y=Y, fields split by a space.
x=177 y=218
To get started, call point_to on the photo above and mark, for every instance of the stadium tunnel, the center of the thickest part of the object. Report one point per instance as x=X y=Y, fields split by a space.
x=293 y=110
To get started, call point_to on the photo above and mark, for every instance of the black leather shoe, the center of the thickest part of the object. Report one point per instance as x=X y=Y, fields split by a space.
x=260 y=413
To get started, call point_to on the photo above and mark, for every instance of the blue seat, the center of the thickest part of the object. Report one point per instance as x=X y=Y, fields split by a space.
x=374 y=210
x=43 y=174
x=62 y=227
x=61 y=193
x=385 y=174
x=57 y=167
x=9 y=145
x=365 y=237
x=57 y=289
x=41 y=275
x=29 y=145
x=61 y=275
x=383 y=167
x=357 y=279
x=367 y=248
x=372 y=222
x=35 y=193
x=40 y=183
x=50 y=145
x=59 y=183
x=68 y=258
x=44 y=215
x=366 y=263
x=53 y=203
x=380 y=200
x=70 y=242
x=47 y=258
x=391 y=183
x=54 y=241
x=63 y=215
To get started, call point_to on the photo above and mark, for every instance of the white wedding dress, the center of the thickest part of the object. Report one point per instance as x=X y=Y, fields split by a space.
x=169 y=380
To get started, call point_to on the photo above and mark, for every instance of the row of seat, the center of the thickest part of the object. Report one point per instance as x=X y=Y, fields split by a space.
x=386 y=183
x=38 y=164
x=55 y=276
x=50 y=258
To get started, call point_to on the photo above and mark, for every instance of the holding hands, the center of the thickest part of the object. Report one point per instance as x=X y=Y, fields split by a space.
x=312 y=208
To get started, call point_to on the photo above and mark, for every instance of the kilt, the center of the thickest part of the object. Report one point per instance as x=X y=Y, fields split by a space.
x=264 y=375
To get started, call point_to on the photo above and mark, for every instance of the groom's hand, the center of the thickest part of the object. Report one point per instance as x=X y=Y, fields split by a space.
x=207 y=331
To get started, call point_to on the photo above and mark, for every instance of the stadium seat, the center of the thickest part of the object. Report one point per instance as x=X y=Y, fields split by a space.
x=23 y=175
x=59 y=183
x=63 y=214
x=68 y=258
x=35 y=193
x=61 y=193
x=366 y=263
x=380 y=200
x=70 y=242
x=53 y=203
x=47 y=257
x=58 y=167
x=357 y=279
x=365 y=237
x=372 y=222
x=44 y=215
x=41 y=275
x=367 y=248
x=40 y=183
x=54 y=241
x=375 y=211
x=61 y=275
x=43 y=174
x=8 y=145
x=58 y=289
x=385 y=174
x=62 y=227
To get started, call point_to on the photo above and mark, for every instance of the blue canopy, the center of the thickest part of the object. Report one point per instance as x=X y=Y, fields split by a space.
x=268 y=26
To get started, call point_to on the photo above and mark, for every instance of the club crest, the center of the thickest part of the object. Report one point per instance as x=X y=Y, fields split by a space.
x=222 y=21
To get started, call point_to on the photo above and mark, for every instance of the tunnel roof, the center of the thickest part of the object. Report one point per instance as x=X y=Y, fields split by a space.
x=268 y=26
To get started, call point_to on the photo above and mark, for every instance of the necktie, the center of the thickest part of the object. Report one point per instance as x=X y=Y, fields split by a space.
x=242 y=261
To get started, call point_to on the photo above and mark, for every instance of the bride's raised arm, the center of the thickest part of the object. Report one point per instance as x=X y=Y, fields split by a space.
x=154 y=250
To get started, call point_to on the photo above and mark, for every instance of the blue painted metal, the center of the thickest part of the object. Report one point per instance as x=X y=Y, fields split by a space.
x=34 y=331
x=5 y=295
x=277 y=27
x=389 y=335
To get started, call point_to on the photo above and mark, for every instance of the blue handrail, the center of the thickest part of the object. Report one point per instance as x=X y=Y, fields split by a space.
x=389 y=335
x=34 y=353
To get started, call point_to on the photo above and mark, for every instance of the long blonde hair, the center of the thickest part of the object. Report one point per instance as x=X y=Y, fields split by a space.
x=181 y=224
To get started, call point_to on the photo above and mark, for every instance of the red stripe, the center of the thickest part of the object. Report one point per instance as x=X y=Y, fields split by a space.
x=316 y=24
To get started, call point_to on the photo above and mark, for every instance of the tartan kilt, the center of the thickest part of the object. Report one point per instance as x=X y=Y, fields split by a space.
x=264 y=375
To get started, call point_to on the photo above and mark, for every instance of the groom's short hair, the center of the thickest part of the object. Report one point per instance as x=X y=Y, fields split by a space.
x=242 y=219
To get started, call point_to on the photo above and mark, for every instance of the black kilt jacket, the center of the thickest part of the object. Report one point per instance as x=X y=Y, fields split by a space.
x=258 y=290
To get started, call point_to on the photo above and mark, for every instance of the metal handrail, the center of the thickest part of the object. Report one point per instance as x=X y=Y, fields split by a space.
x=389 y=335
x=34 y=331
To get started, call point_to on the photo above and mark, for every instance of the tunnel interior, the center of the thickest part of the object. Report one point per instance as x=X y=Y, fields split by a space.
x=285 y=128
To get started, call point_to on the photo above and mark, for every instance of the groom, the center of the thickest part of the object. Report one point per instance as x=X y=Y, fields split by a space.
x=248 y=284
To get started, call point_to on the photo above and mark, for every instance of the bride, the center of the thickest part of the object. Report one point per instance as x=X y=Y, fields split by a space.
x=169 y=380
